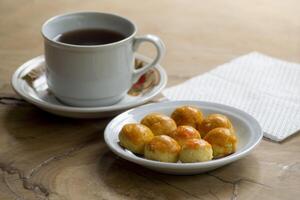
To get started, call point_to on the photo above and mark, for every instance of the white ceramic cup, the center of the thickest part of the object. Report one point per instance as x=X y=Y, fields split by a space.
x=93 y=75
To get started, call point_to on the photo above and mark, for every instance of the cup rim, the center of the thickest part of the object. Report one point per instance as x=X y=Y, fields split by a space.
x=87 y=46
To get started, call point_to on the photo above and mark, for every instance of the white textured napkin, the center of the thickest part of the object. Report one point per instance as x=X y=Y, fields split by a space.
x=265 y=87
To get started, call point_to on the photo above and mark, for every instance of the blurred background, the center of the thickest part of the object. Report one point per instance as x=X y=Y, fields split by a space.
x=198 y=34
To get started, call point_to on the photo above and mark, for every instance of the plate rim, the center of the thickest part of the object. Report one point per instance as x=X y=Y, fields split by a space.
x=212 y=163
x=65 y=108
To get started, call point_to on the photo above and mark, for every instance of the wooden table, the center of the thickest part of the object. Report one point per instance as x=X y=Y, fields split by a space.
x=48 y=157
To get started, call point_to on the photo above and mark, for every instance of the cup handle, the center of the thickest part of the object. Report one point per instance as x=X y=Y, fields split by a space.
x=160 y=48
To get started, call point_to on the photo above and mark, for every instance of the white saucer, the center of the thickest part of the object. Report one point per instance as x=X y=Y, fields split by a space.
x=29 y=81
x=248 y=132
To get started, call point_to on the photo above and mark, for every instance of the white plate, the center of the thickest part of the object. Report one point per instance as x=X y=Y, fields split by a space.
x=248 y=131
x=29 y=81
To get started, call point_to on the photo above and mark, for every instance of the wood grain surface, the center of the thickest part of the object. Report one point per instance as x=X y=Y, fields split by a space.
x=43 y=156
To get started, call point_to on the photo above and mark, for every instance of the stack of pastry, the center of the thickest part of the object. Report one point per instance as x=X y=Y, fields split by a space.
x=187 y=136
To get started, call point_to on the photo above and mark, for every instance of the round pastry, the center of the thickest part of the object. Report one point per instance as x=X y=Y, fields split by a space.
x=187 y=115
x=162 y=148
x=222 y=140
x=196 y=150
x=183 y=133
x=134 y=137
x=159 y=124
x=214 y=121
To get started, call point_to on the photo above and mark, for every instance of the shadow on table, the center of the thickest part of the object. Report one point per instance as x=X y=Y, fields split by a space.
x=31 y=129
x=291 y=137
x=137 y=182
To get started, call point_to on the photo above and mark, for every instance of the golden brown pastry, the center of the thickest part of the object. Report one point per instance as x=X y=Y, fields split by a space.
x=187 y=115
x=159 y=124
x=183 y=133
x=162 y=148
x=214 y=121
x=222 y=140
x=134 y=137
x=196 y=150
